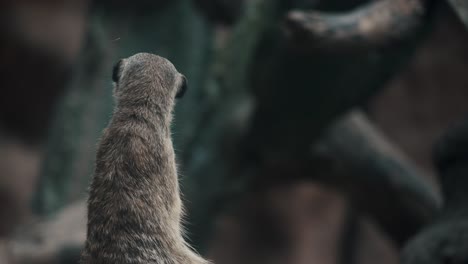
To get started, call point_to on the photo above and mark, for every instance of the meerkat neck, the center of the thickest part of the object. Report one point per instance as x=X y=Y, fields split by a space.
x=156 y=113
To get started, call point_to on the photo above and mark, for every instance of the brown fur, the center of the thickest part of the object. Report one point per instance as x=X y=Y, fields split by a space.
x=134 y=208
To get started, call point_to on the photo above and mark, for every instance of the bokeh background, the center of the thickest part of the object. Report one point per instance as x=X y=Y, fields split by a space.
x=312 y=130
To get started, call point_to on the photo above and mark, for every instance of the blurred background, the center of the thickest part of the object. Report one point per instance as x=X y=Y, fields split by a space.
x=313 y=131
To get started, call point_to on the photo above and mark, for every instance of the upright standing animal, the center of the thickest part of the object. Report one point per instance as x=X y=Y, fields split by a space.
x=134 y=207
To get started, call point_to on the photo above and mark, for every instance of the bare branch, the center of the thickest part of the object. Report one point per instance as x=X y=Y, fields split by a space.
x=446 y=240
x=379 y=178
x=375 y=23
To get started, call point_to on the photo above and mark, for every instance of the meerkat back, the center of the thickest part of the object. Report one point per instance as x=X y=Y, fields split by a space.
x=134 y=205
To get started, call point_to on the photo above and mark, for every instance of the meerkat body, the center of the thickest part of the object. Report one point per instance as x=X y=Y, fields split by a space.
x=134 y=208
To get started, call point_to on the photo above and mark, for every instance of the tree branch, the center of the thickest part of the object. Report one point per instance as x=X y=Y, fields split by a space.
x=378 y=177
x=376 y=23
x=446 y=240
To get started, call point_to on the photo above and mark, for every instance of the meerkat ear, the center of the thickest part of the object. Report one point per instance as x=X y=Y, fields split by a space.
x=116 y=71
x=183 y=87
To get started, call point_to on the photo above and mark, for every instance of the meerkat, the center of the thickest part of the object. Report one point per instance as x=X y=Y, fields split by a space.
x=134 y=205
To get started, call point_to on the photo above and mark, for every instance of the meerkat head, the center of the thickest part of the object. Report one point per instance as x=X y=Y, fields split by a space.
x=146 y=74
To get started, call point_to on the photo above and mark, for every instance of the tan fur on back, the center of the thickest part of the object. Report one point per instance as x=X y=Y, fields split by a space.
x=134 y=207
